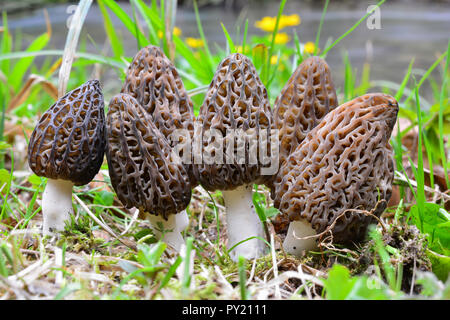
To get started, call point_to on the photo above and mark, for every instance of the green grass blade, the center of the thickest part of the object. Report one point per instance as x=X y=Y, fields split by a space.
x=170 y=273
x=230 y=42
x=202 y=36
x=430 y=157
x=351 y=29
x=349 y=82
x=22 y=66
x=266 y=69
x=400 y=90
x=244 y=39
x=94 y=58
x=115 y=41
x=426 y=75
x=441 y=118
x=420 y=172
x=365 y=80
x=127 y=22
x=6 y=44
x=322 y=19
x=242 y=278
x=147 y=12
x=186 y=282
x=298 y=49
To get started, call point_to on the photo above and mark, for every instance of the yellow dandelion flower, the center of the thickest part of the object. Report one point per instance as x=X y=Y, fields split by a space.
x=310 y=47
x=289 y=21
x=282 y=38
x=268 y=23
x=194 y=42
x=273 y=59
x=176 y=32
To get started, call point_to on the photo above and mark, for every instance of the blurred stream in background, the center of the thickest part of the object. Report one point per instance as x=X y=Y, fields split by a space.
x=409 y=29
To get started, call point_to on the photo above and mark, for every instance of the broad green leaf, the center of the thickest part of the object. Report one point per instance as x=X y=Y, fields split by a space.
x=440 y=264
x=341 y=286
x=435 y=222
x=104 y=198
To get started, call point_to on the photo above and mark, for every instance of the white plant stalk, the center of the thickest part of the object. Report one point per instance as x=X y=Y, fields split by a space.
x=242 y=223
x=56 y=205
x=293 y=243
x=172 y=228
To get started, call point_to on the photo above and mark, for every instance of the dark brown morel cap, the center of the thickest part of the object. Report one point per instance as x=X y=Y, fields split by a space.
x=68 y=142
x=236 y=100
x=303 y=102
x=345 y=164
x=154 y=82
x=143 y=171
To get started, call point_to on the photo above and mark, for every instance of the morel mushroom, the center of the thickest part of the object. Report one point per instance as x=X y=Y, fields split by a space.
x=143 y=170
x=154 y=82
x=232 y=119
x=67 y=147
x=343 y=167
x=306 y=98
x=303 y=102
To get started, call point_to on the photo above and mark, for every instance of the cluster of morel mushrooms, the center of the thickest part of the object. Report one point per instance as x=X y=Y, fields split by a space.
x=334 y=163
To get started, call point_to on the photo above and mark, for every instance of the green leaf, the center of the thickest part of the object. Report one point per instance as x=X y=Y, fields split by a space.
x=339 y=283
x=435 y=222
x=104 y=198
x=5 y=180
x=440 y=264
x=150 y=256
x=4 y=145
x=35 y=180
x=341 y=286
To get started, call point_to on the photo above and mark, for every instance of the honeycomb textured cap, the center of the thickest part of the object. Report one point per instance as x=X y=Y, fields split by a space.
x=303 y=102
x=143 y=170
x=236 y=100
x=68 y=142
x=344 y=163
x=154 y=82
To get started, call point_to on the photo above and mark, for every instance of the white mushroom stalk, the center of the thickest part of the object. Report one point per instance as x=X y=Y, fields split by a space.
x=54 y=150
x=56 y=205
x=171 y=228
x=300 y=238
x=243 y=223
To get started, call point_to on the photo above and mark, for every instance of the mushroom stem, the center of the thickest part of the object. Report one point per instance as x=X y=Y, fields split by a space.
x=56 y=205
x=293 y=243
x=242 y=223
x=172 y=228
